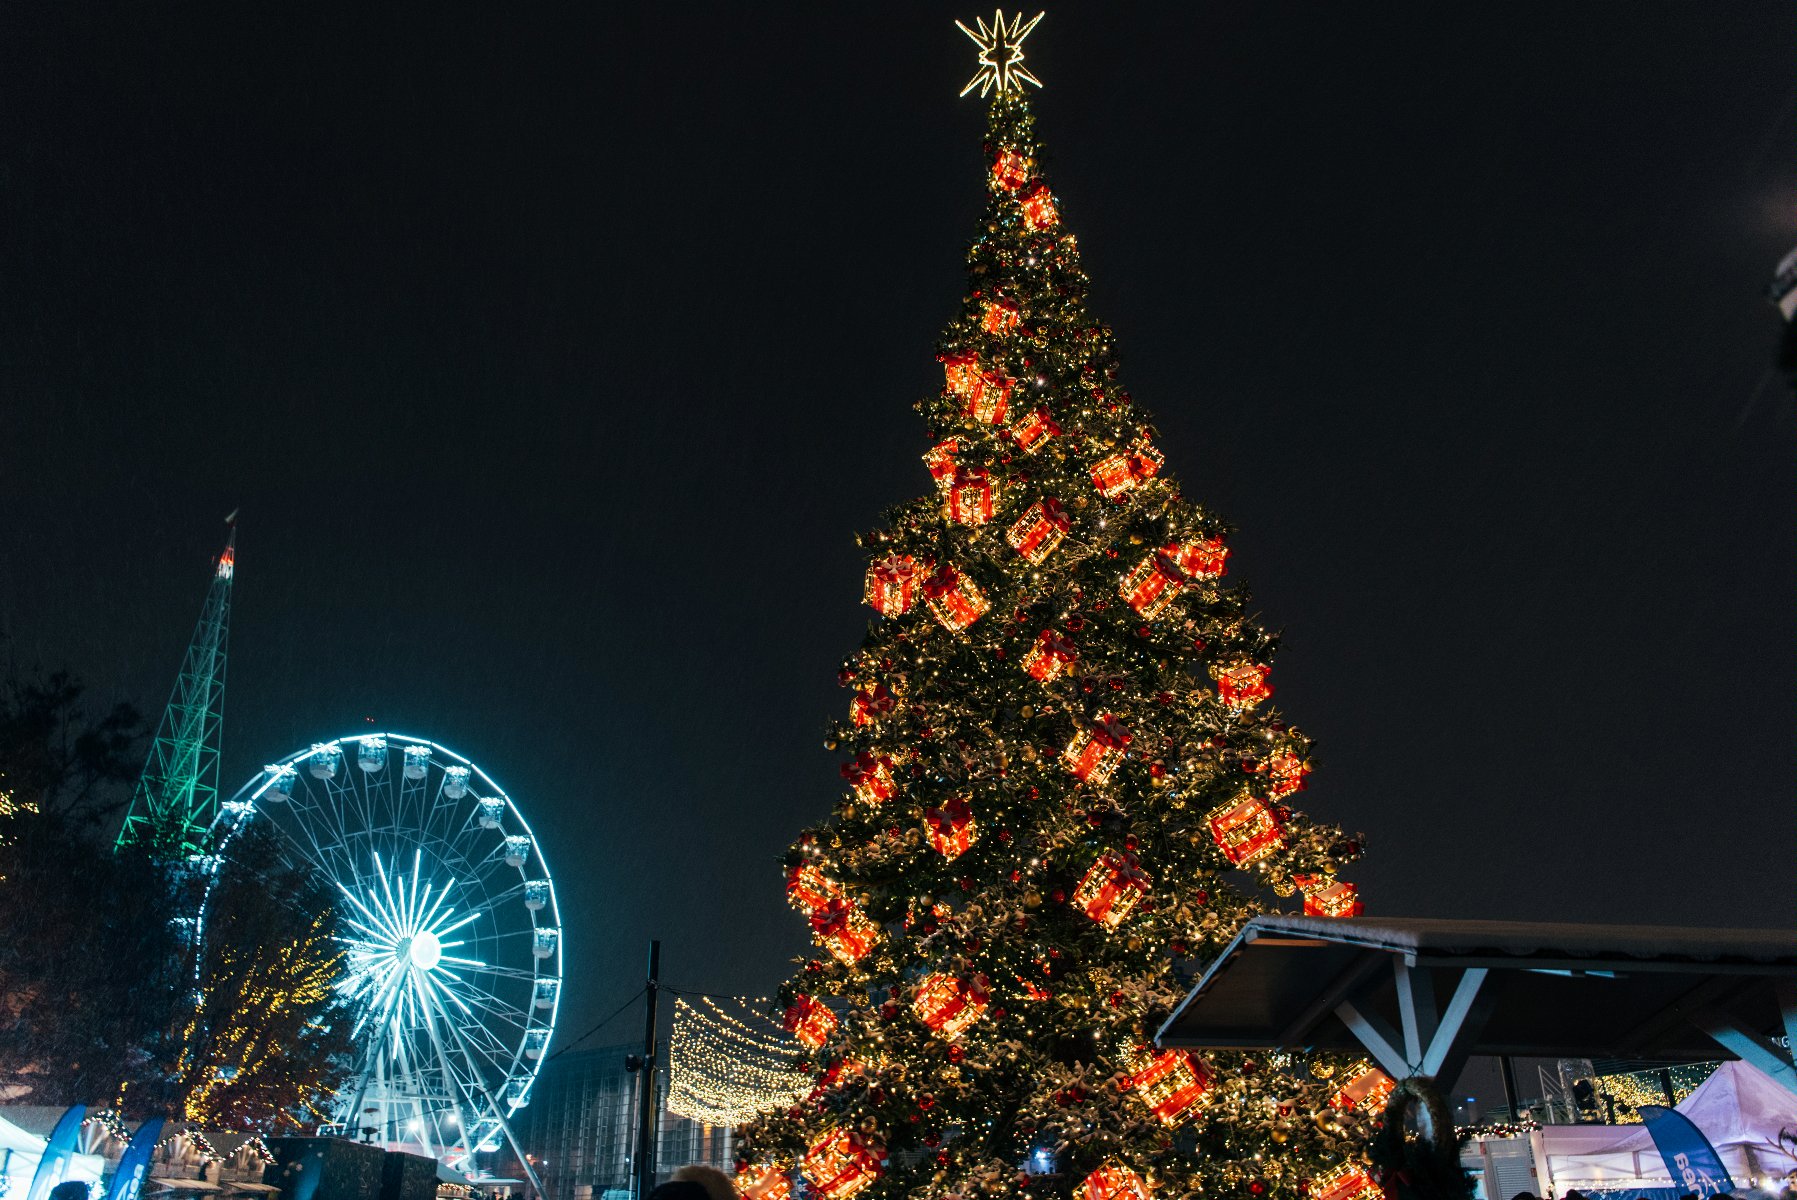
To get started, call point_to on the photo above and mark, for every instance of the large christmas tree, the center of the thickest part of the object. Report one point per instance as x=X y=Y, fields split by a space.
x=1066 y=791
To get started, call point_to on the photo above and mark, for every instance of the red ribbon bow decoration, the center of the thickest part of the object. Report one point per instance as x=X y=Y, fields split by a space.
x=1111 y=733
x=895 y=568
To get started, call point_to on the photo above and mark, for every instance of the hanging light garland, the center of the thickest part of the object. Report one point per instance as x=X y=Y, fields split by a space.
x=728 y=1063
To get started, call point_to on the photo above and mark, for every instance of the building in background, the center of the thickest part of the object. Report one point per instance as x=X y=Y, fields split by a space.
x=579 y=1128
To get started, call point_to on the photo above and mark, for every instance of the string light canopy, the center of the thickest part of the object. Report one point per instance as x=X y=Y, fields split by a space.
x=1001 y=54
x=728 y=1062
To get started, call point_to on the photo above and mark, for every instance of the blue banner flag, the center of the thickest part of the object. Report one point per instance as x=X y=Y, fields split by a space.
x=134 y=1166
x=1689 y=1156
x=59 y=1151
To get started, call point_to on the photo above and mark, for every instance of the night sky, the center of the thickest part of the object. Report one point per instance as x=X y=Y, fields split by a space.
x=554 y=352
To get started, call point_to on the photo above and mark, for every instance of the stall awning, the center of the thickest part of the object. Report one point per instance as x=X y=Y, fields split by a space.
x=1420 y=995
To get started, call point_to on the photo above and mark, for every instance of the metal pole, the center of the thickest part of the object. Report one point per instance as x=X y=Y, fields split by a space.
x=1507 y=1072
x=642 y=1169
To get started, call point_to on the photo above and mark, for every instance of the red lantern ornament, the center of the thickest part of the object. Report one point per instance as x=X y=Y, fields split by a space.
x=1111 y=888
x=839 y=1164
x=1095 y=750
x=892 y=584
x=1032 y=430
x=1039 y=210
x=1051 y=656
x=1000 y=317
x=1367 y=1090
x=810 y=1021
x=1243 y=684
x=844 y=930
x=1173 y=1084
x=970 y=497
x=1285 y=774
x=940 y=459
x=1010 y=171
x=1246 y=831
x=961 y=372
x=872 y=704
x=1039 y=530
x=870 y=775
x=808 y=889
x=1346 y=1182
x=763 y=1181
x=989 y=397
x=951 y=828
x=1113 y=1183
x=948 y=1005
x=955 y=600
x=1327 y=897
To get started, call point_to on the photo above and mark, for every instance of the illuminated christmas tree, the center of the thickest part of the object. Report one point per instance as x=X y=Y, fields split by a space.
x=1066 y=790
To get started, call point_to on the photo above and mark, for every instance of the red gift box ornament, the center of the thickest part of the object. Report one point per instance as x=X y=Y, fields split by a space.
x=970 y=497
x=1150 y=587
x=955 y=600
x=1199 y=558
x=1113 y=1183
x=948 y=1005
x=870 y=775
x=1039 y=212
x=940 y=459
x=1285 y=773
x=872 y=704
x=951 y=828
x=1246 y=831
x=810 y=1021
x=892 y=584
x=808 y=889
x=1039 y=530
x=1111 y=888
x=1327 y=897
x=839 y=1164
x=844 y=930
x=1000 y=317
x=1095 y=750
x=1346 y=1182
x=989 y=398
x=1367 y=1089
x=763 y=1181
x=961 y=372
x=1242 y=685
x=1116 y=475
x=1032 y=430
x=1050 y=656
x=1172 y=1083
x=1010 y=171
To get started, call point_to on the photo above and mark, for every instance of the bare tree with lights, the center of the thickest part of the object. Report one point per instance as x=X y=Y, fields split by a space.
x=1066 y=790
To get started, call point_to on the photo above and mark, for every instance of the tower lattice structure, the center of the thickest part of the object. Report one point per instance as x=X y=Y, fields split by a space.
x=176 y=798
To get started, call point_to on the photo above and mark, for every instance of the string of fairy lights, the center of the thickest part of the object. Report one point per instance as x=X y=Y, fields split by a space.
x=728 y=1062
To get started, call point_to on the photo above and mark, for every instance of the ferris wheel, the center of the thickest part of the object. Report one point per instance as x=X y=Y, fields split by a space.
x=451 y=933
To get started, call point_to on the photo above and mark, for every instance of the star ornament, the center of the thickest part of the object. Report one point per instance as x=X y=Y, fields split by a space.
x=1001 y=54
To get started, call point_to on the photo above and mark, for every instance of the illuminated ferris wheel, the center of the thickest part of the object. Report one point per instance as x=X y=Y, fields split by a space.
x=449 y=921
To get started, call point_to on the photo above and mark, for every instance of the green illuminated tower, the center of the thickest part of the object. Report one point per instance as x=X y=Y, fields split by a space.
x=177 y=796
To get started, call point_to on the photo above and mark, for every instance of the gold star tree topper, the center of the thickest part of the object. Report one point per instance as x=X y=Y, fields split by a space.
x=1001 y=54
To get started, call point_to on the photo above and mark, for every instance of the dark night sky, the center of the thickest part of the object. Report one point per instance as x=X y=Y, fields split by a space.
x=555 y=351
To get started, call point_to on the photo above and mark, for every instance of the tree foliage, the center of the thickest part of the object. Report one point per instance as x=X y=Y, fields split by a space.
x=1067 y=792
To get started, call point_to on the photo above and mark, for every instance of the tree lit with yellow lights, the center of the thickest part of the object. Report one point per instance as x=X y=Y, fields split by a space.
x=1066 y=789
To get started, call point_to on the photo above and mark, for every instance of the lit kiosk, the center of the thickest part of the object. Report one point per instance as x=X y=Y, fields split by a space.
x=1420 y=996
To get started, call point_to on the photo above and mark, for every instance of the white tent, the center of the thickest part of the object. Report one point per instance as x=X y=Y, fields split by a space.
x=1740 y=1110
x=20 y=1150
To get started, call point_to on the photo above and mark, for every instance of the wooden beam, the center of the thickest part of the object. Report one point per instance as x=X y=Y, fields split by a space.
x=1416 y=1007
x=1748 y=1046
x=1378 y=1038
x=1461 y=1023
x=1344 y=985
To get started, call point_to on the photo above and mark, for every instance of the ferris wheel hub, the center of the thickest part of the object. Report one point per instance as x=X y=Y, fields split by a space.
x=424 y=949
